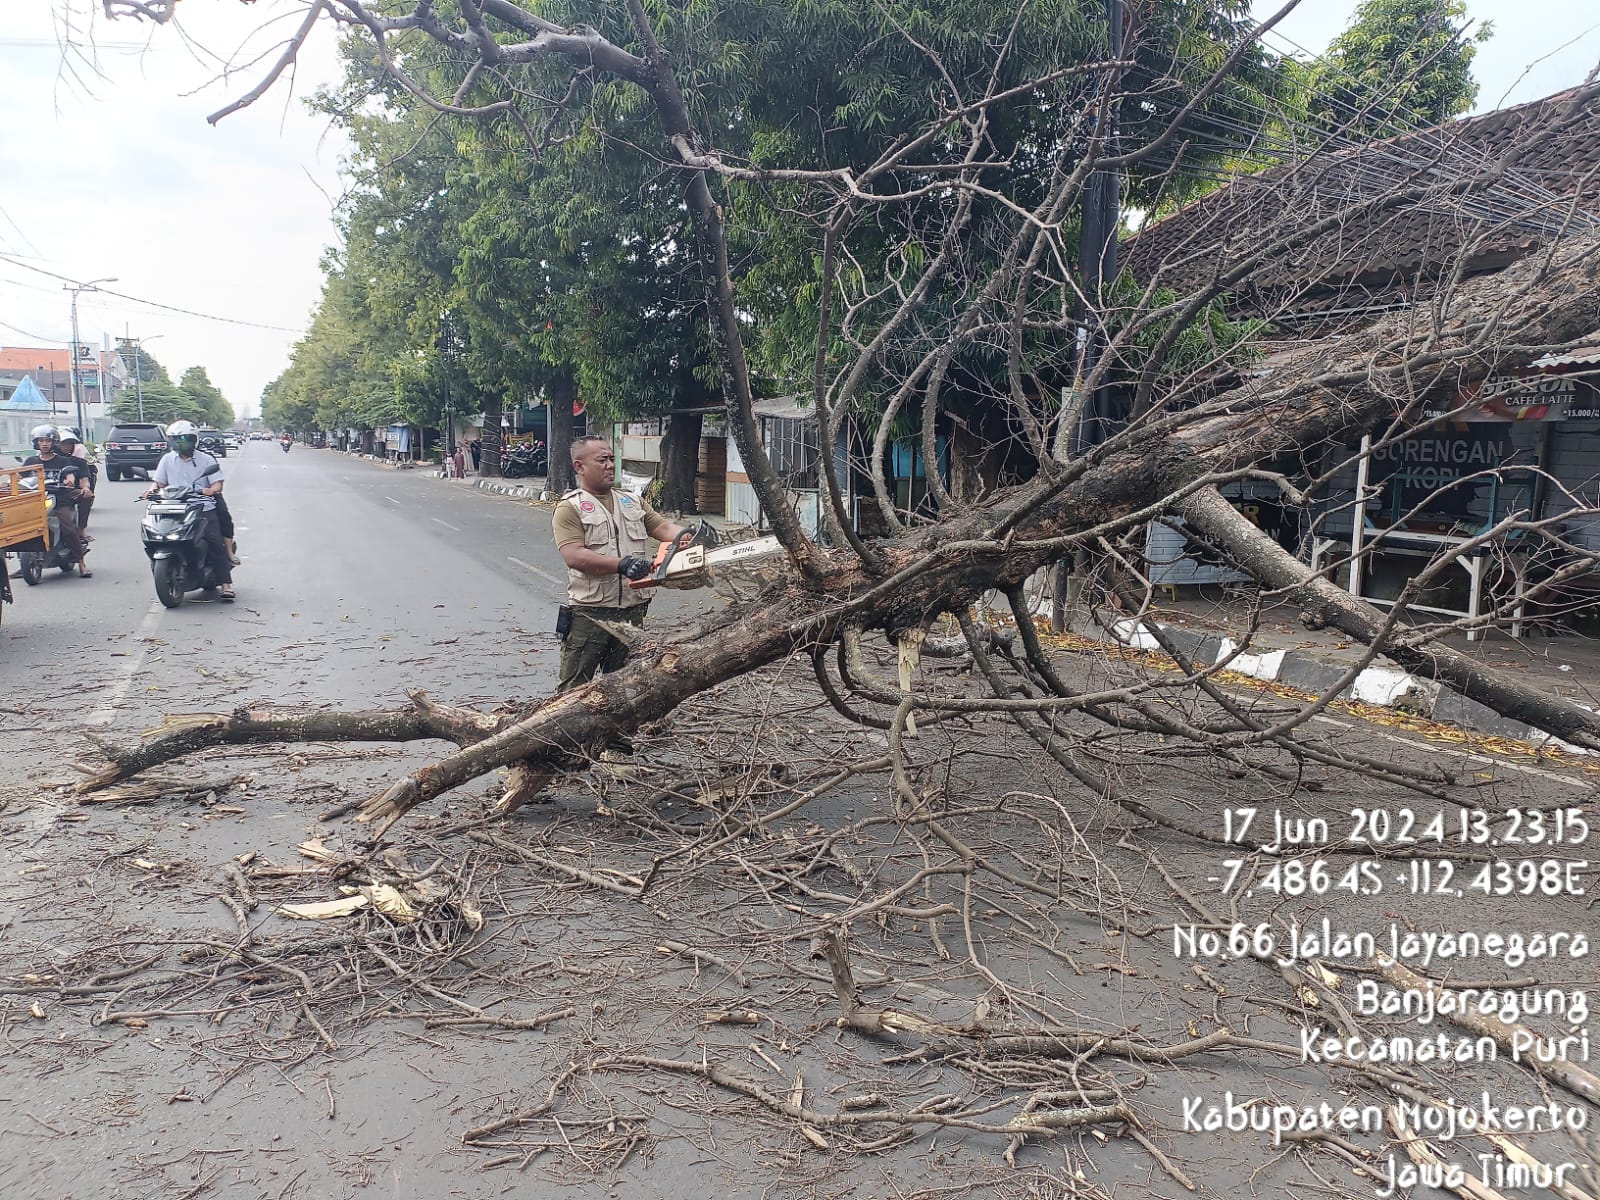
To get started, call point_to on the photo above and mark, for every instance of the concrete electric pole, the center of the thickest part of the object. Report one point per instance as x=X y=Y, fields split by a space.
x=77 y=378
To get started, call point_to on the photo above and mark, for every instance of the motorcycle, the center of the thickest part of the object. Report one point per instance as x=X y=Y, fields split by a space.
x=34 y=563
x=286 y=443
x=173 y=530
x=527 y=459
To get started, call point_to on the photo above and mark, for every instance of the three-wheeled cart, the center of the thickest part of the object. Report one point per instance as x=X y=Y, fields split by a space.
x=24 y=519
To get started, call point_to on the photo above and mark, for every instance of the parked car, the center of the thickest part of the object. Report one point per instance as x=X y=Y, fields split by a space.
x=134 y=448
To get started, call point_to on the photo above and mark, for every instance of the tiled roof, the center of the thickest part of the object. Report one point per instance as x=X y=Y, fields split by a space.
x=37 y=358
x=28 y=358
x=1380 y=258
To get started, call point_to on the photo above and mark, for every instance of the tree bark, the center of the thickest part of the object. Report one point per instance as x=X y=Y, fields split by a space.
x=563 y=393
x=490 y=443
x=184 y=734
x=680 y=457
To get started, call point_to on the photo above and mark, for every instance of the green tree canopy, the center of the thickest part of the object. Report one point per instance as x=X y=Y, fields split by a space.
x=1400 y=65
x=193 y=398
x=214 y=409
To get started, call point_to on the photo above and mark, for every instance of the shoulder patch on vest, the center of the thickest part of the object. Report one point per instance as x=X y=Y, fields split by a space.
x=586 y=505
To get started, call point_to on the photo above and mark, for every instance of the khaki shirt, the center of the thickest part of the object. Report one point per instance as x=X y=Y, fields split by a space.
x=616 y=524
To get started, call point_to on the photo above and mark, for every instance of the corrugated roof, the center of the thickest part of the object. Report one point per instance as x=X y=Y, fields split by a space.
x=1580 y=356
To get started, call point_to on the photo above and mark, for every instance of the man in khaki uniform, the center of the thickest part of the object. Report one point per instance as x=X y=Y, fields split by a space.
x=606 y=537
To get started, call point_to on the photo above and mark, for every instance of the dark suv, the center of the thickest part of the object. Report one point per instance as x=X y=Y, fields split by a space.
x=210 y=440
x=134 y=449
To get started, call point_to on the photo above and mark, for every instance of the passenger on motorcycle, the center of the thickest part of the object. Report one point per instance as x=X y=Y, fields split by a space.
x=62 y=476
x=72 y=446
x=182 y=466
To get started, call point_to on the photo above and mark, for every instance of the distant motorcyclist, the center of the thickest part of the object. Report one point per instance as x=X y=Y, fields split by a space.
x=182 y=466
x=285 y=441
x=72 y=446
x=62 y=478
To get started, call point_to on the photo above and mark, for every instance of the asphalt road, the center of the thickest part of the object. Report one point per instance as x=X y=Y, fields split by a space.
x=352 y=575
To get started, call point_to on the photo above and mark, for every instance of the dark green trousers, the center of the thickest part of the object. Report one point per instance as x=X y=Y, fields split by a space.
x=587 y=648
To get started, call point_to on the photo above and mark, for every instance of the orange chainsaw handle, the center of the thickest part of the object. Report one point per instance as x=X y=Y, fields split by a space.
x=658 y=566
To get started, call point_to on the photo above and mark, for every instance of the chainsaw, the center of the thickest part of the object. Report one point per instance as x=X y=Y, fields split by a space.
x=684 y=564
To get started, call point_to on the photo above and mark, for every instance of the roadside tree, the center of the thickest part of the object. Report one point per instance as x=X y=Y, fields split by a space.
x=1400 y=65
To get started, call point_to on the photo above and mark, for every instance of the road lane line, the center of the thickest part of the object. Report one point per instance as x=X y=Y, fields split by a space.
x=541 y=574
x=128 y=670
x=391 y=500
x=446 y=524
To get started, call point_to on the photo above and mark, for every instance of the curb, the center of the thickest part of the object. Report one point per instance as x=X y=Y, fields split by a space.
x=518 y=491
x=1377 y=685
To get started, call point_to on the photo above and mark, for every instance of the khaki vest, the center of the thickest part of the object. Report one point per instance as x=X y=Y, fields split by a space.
x=620 y=536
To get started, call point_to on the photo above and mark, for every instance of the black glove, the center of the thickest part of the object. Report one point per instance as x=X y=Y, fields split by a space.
x=631 y=566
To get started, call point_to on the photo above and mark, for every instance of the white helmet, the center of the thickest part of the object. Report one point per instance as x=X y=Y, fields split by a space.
x=183 y=436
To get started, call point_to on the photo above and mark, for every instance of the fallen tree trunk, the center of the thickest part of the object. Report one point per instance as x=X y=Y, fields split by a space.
x=185 y=733
x=1274 y=567
x=1170 y=464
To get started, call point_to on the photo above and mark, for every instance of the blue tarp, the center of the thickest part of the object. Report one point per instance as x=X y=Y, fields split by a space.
x=27 y=398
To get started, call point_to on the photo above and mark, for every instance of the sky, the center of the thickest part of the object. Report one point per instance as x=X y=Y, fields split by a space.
x=214 y=234
x=108 y=168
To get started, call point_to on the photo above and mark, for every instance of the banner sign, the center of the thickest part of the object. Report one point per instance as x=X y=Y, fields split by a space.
x=1527 y=398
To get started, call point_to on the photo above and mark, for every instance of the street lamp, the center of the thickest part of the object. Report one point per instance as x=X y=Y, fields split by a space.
x=77 y=382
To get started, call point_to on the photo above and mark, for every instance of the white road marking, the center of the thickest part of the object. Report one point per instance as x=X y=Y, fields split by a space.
x=446 y=524
x=125 y=673
x=1485 y=759
x=391 y=500
x=540 y=573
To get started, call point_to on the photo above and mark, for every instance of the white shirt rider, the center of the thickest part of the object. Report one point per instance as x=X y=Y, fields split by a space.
x=176 y=471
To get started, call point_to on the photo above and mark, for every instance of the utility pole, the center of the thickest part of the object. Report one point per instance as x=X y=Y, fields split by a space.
x=138 y=380
x=77 y=378
x=1097 y=409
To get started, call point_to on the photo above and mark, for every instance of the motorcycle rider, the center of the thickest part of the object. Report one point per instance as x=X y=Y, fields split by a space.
x=285 y=440
x=72 y=446
x=62 y=477
x=181 y=466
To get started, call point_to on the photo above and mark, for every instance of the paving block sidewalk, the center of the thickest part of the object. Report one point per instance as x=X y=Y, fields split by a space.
x=1280 y=650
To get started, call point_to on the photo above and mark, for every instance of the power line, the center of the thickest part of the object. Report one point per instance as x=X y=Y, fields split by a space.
x=38 y=337
x=187 y=312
